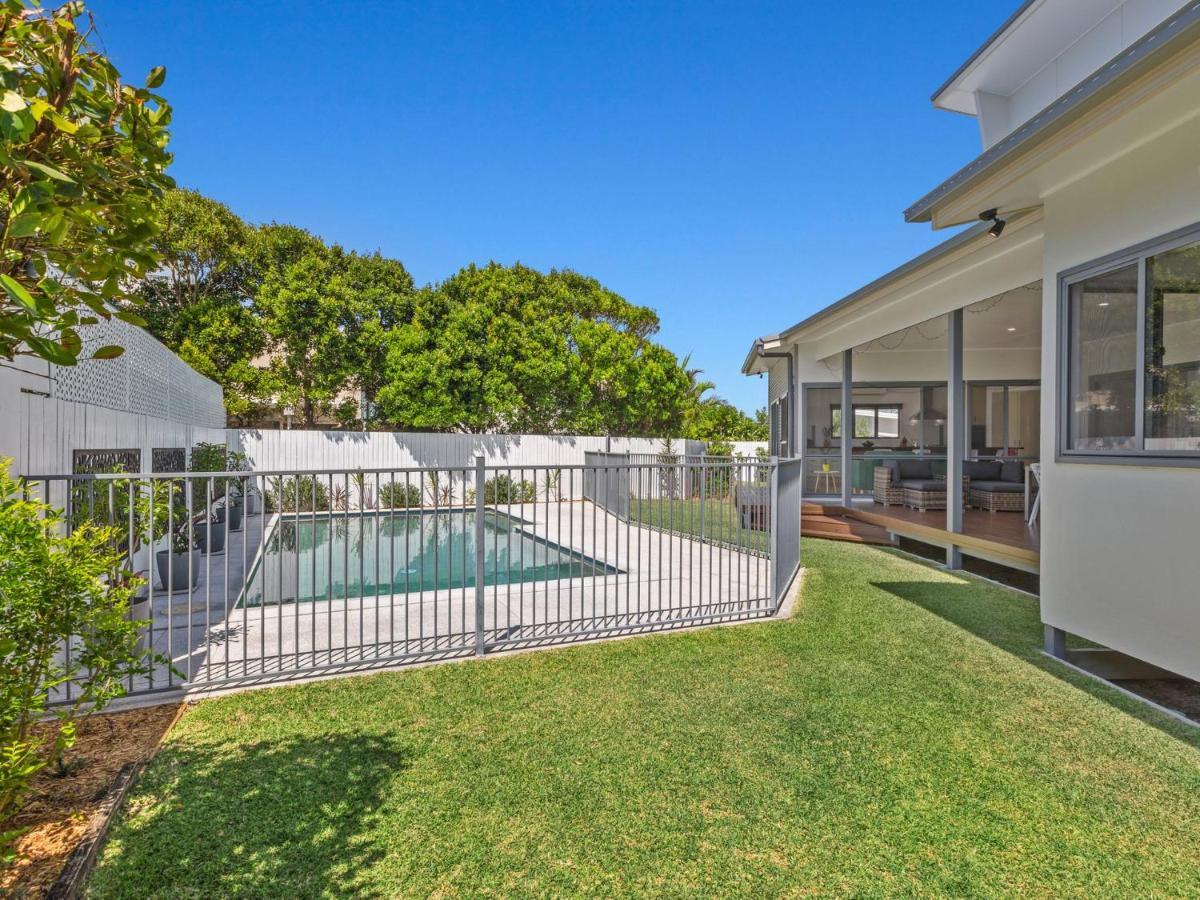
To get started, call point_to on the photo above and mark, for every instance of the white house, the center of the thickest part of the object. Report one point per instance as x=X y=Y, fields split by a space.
x=1061 y=328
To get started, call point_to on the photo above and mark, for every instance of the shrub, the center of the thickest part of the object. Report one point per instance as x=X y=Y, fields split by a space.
x=397 y=494
x=208 y=457
x=122 y=502
x=282 y=494
x=57 y=588
x=503 y=489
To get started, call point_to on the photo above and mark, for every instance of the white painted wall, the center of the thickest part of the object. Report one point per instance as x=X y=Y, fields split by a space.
x=144 y=399
x=1119 y=543
x=1081 y=57
x=1054 y=46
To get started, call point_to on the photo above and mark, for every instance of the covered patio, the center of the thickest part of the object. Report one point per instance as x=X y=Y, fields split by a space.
x=904 y=431
x=926 y=378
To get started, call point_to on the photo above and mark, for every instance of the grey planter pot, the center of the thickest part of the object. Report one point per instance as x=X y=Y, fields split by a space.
x=235 y=509
x=203 y=535
x=178 y=569
x=231 y=514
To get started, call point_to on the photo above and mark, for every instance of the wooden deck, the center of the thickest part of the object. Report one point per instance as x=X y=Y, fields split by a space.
x=1002 y=537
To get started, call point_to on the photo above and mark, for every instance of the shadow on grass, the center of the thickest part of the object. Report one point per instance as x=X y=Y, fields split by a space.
x=287 y=817
x=1012 y=622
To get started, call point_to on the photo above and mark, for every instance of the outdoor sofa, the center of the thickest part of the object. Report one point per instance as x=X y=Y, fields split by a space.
x=910 y=482
x=996 y=485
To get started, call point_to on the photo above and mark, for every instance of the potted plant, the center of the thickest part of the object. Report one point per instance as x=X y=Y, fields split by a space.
x=826 y=433
x=179 y=559
x=208 y=530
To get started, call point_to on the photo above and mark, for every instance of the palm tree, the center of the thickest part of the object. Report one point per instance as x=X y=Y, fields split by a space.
x=696 y=388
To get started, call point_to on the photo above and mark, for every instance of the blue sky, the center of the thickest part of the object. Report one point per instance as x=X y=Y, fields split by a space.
x=733 y=165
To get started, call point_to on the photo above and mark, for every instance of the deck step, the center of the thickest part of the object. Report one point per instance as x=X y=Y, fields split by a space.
x=825 y=522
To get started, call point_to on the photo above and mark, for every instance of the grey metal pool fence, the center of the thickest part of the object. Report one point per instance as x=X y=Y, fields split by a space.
x=271 y=576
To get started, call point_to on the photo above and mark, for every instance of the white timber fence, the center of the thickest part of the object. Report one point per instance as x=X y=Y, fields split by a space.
x=443 y=456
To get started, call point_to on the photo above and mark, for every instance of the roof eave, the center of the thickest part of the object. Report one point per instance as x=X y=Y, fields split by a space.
x=755 y=354
x=1175 y=32
x=982 y=49
x=964 y=237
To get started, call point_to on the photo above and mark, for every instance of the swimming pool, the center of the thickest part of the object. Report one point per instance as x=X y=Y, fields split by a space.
x=397 y=552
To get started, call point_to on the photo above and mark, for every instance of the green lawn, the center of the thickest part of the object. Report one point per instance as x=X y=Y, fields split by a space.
x=899 y=734
x=720 y=521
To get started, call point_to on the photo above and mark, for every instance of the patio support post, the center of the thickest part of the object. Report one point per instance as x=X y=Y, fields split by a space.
x=955 y=433
x=1054 y=641
x=847 y=426
x=480 y=540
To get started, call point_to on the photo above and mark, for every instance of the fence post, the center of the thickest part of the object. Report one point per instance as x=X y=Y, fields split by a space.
x=480 y=539
x=773 y=544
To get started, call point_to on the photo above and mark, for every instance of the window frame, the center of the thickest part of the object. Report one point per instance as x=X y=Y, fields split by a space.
x=1137 y=255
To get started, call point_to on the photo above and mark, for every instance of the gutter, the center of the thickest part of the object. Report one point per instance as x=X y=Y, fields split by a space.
x=761 y=351
x=1175 y=32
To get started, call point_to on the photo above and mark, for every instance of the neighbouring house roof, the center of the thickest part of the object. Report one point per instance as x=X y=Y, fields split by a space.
x=1178 y=31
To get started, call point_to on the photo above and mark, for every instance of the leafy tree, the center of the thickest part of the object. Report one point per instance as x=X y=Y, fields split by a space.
x=508 y=348
x=379 y=296
x=716 y=420
x=82 y=170
x=199 y=300
x=302 y=306
x=762 y=424
x=201 y=244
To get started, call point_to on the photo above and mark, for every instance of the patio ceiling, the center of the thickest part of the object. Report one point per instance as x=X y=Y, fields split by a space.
x=968 y=273
x=1010 y=320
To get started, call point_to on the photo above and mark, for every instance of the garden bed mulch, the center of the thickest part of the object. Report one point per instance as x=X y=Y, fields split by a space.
x=63 y=812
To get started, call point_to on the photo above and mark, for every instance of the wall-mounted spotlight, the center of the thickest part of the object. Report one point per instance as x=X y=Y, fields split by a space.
x=992 y=215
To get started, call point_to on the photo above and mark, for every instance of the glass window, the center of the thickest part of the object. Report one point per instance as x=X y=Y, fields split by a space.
x=1172 y=392
x=820 y=427
x=887 y=422
x=1102 y=373
x=864 y=422
x=870 y=421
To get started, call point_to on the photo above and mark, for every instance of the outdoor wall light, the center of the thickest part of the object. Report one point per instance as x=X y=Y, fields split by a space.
x=992 y=215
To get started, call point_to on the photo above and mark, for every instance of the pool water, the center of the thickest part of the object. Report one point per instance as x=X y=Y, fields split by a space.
x=339 y=556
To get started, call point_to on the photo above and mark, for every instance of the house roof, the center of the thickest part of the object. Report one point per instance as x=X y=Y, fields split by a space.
x=997 y=35
x=1178 y=31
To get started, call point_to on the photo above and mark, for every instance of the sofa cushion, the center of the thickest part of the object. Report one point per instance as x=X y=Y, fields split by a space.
x=893 y=467
x=915 y=468
x=1013 y=470
x=924 y=484
x=982 y=470
x=998 y=487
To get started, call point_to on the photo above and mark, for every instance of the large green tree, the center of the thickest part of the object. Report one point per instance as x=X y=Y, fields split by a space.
x=82 y=170
x=199 y=301
x=718 y=421
x=508 y=348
